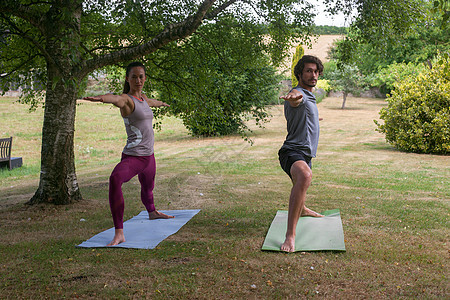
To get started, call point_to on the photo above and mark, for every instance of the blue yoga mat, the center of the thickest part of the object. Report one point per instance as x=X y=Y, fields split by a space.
x=142 y=233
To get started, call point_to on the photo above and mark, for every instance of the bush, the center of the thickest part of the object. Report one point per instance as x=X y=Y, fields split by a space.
x=329 y=68
x=417 y=118
x=231 y=101
x=324 y=85
x=388 y=76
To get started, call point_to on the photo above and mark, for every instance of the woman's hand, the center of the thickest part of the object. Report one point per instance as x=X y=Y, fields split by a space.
x=154 y=102
x=94 y=99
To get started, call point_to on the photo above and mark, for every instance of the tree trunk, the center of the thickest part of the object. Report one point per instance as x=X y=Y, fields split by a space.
x=345 y=99
x=58 y=181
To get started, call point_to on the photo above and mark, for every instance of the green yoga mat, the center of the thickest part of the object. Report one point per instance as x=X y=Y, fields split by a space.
x=312 y=234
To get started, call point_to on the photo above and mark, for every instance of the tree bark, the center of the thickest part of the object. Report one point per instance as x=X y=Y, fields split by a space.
x=345 y=99
x=58 y=181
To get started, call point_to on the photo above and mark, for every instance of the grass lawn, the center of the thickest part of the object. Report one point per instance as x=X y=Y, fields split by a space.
x=394 y=207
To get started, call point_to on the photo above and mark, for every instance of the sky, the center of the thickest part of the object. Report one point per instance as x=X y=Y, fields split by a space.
x=323 y=18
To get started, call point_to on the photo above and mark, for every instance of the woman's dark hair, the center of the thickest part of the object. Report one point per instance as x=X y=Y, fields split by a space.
x=126 y=85
x=298 y=70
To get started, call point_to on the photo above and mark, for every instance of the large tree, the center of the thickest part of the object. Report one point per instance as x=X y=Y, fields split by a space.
x=55 y=44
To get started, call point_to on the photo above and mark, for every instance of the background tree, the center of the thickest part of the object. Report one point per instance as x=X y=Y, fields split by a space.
x=421 y=45
x=388 y=31
x=59 y=42
x=347 y=79
x=299 y=52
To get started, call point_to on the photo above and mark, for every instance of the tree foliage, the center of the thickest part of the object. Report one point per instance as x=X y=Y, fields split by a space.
x=387 y=77
x=347 y=79
x=387 y=32
x=328 y=30
x=225 y=79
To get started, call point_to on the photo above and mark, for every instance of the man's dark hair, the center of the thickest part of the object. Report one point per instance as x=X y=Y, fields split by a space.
x=298 y=70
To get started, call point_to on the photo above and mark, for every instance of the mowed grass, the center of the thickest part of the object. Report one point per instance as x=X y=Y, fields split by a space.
x=394 y=207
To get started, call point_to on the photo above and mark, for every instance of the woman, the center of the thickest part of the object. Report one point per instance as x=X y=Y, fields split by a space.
x=137 y=156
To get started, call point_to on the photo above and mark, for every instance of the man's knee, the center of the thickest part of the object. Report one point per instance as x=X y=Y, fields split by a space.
x=301 y=173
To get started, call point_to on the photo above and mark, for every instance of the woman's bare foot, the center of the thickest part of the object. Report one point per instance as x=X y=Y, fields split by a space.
x=306 y=212
x=288 y=245
x=119 y=237
x=158 y=215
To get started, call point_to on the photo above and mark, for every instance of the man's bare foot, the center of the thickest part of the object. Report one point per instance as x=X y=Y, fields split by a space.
x=119 y=237
x=158 y=215
x=288 y=245
x=306 y=212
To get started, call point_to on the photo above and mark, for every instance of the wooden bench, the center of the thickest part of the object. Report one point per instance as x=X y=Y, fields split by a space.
x=5 y=155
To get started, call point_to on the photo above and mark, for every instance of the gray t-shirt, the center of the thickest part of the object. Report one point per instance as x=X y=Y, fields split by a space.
x=139 y=129
x=302 y=125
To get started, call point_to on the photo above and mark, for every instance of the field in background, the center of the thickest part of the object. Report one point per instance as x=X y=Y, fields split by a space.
x=394 y=208
x=319 y=47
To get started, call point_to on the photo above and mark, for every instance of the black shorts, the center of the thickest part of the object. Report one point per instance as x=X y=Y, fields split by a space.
x=288 y=157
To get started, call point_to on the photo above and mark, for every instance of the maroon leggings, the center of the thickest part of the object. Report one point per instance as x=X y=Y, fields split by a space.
x=130 y=166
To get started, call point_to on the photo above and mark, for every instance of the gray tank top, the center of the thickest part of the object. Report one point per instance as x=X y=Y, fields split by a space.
x=302 y=125
x=139 y=129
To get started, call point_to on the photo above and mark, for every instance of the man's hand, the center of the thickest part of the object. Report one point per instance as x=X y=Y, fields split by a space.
x=294 y=97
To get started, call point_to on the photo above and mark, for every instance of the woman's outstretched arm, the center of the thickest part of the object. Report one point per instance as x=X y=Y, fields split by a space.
x=154 y=102
x=123 y=102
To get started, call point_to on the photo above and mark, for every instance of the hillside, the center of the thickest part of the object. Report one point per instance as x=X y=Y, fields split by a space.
x=319 y=48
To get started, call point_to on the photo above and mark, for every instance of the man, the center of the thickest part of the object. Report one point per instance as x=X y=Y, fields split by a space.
x=301 y=142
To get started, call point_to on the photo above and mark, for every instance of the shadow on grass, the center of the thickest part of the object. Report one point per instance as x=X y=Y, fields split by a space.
x=347 y=108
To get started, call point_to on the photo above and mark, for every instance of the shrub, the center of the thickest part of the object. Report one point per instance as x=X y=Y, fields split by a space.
x=417 y=118
x=321 y=91
x=329 y=68
x=299 y=52
x=230 y=99
x=324 y=85
x=388 y=76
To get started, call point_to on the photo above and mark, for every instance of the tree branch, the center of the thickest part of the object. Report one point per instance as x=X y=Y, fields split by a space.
x=219 y=9
x=18 y=67
x=37 y=44
x=171 y=33
x=23 y=12
x=215 y=50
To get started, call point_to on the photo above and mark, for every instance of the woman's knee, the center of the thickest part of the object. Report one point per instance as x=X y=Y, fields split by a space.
x=116 y=179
